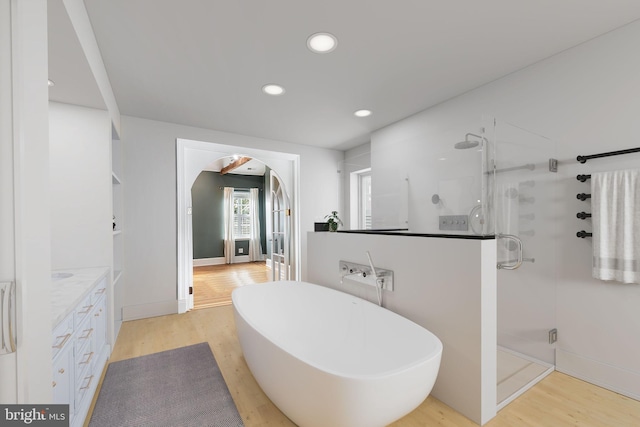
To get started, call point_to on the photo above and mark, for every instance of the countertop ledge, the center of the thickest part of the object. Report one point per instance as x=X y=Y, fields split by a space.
x=67 y=292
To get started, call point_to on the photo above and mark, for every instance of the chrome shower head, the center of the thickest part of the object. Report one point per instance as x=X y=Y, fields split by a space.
x=463 y=145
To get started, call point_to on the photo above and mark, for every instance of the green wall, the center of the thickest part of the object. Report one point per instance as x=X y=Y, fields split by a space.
x=207 y=201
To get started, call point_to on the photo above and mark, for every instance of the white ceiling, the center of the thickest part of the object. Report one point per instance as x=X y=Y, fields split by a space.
x=203 y=63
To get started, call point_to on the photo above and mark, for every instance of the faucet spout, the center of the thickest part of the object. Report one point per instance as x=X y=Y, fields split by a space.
x=373 y=269
x=379 y=282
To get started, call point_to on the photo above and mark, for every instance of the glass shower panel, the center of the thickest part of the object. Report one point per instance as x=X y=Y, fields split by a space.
x=430 y=180
x=524 y=197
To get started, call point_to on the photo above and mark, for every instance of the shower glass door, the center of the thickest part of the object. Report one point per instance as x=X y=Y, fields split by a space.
x=523 y=208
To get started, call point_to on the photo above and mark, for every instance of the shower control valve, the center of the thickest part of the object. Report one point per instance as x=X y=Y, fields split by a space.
x=361 y=273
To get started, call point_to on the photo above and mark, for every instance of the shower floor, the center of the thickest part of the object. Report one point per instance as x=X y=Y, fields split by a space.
x=516 y=374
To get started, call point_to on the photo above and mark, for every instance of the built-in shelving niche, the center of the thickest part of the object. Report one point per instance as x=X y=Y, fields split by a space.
x=117 y=293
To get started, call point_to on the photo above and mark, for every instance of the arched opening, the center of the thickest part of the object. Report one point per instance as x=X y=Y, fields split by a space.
x=281 y=207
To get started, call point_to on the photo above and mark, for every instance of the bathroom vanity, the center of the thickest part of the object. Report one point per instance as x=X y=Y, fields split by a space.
x=79 y=339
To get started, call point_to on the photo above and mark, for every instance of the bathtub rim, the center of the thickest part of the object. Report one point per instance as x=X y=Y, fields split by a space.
x=435 y=355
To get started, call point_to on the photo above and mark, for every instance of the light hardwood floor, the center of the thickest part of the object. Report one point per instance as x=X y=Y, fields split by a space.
x=213 y=284
x=558 y=400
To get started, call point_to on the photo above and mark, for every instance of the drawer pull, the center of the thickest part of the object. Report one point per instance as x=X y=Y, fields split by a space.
x=86 y=362
x=87 y=335
x=101 y=291
x=88 y=383
x=53 y=384
x=87 y=309
x=61 y=370
x=61 y=344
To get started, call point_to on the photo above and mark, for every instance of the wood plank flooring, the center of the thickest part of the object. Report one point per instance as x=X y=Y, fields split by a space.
x=213 y=284
x=558 y=400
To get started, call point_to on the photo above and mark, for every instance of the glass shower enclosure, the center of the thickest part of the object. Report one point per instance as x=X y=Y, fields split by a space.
x=521 y=168
x=480 y=178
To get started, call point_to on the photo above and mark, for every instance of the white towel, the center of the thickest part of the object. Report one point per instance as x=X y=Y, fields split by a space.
x=615 y=204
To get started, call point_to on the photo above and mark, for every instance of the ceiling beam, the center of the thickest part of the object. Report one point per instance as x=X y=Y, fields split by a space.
x=231 y=166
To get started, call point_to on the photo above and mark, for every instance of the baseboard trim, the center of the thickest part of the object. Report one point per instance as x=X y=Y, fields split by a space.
x=116 y=330
x=154 y=309
x=601 y=374
x=237 y=259
x=240 y=258
x=201 y=262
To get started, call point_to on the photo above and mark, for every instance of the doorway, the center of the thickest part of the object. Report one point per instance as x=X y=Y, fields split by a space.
x=192 y=158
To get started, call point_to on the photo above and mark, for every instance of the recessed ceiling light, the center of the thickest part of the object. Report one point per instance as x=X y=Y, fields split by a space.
x=272 y=89
x=51 y=83
x=362 y=113
x=322 y=42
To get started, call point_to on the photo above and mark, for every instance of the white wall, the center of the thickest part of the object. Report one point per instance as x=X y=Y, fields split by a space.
x=431 y=289
x=80 y=184
x=587 y=99
x=149 y=183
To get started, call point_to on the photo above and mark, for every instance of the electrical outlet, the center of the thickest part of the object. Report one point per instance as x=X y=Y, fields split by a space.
x=240 y=250
x=553 y=335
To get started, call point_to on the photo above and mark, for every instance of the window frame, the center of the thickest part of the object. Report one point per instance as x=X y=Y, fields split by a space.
x=360 y=199
x=241 y=220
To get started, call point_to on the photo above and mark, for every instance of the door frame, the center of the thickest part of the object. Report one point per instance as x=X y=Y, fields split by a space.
x=191 y=158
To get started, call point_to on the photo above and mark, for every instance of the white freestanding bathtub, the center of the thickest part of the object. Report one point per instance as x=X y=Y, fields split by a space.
x=329 y=359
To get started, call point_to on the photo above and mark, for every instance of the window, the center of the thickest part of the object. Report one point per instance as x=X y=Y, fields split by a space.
x=360 y=199
x=364 y=196
x=241 y=215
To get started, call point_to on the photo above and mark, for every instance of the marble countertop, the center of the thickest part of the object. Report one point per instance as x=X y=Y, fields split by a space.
x=69 y=287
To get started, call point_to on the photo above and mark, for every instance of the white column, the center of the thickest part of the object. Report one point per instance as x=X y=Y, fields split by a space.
x=32 y=251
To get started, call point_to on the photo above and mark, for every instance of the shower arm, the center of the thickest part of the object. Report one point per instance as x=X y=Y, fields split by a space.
x=519 y=260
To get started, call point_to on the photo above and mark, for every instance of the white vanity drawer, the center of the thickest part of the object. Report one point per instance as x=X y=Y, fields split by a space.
x=63 y=383
x=84 y=385
x=83 y=358
x=99 y=291
x=82 y=310
x=83 y=347
x=61 y=335
x=99 y=324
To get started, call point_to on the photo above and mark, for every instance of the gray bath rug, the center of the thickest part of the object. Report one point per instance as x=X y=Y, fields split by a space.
x=174 y=388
